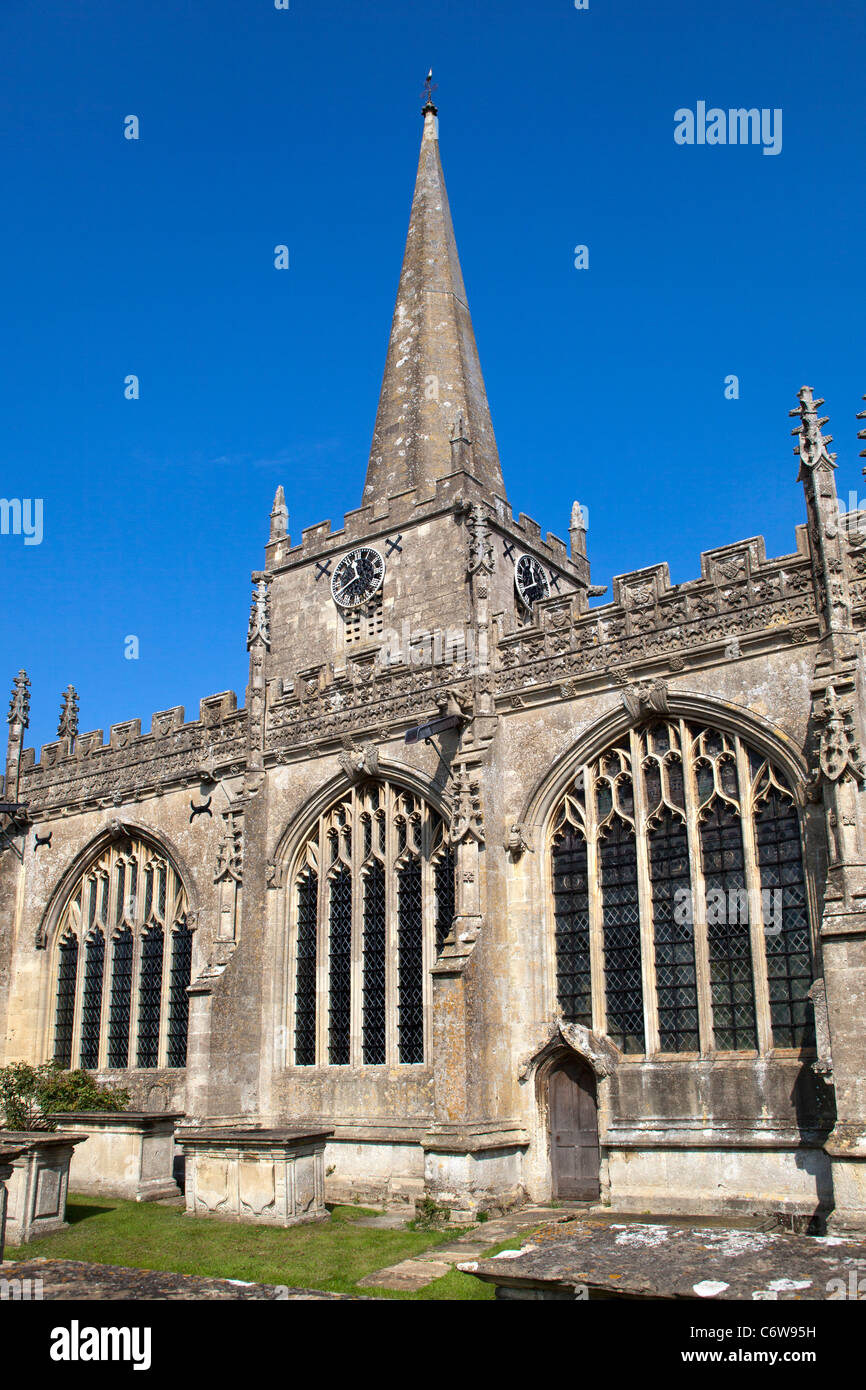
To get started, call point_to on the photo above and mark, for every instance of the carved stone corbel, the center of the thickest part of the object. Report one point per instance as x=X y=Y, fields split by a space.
x=646 y=698
x=518 y=841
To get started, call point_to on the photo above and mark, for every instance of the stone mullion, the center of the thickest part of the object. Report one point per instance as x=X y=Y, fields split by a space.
x=167 y=943
x=105 y=999
x=288 y=919
x=391 y=937
x=107 y=964
x=356 y=986
x=755 y=906
x=698 y=895
x=596 y=939
x=428 y=913
x=78 y=1005
x=324 y=896
x=645 y=907
x=135 y=991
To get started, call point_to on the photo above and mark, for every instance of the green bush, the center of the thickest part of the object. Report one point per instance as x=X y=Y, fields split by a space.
x=31 y=1096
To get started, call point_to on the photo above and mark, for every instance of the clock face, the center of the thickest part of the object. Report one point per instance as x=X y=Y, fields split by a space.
x=358 y=577
x=530 y=581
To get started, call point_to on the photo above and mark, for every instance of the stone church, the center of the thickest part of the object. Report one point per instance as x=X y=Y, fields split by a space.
x=518 y=897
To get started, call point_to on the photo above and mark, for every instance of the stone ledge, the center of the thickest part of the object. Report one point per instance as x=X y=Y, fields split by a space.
x=637 y=1260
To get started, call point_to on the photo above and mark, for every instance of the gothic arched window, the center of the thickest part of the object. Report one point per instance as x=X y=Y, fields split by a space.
x=124 y=963
x=371 y=901
x=678 y=886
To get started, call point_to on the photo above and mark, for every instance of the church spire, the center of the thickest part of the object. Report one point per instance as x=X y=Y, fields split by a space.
x=432 y=373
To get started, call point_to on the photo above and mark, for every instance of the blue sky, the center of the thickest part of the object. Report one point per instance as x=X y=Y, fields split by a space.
x=260 y=127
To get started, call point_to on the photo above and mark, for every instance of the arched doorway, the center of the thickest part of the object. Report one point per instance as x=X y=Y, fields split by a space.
x=573 y=1110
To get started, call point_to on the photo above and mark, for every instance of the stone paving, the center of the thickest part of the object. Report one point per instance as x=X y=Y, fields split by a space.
x=422 y=1269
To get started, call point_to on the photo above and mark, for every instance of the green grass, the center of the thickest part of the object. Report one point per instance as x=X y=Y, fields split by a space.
x=331 y=1255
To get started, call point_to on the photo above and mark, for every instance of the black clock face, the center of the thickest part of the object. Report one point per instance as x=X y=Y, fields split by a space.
x=357 y=577
x=530 y=581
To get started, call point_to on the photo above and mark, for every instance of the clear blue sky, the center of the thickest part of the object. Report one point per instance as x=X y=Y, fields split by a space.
x=260 y=127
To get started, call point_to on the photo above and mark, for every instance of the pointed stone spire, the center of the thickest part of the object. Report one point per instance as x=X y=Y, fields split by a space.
x=432 y=372
x=68 y=724
x=279 y=515
x=861 y=434
x=577 y=531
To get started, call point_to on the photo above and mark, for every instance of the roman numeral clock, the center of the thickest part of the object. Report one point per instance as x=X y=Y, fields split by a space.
x=358 y=576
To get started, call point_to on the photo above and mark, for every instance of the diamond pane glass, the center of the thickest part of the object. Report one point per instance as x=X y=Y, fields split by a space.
x=786 y=922
x=91 y=999
x=64 y=1015
x=340 y=968
x=410 y=1002
x=443 y=876
x=120 y=999
x=673 y=929
x=571 y=914
x=305 y=972
x=728 y=934
x=621 y=937
x=178 y=999
x=150 y=997
x=374 y=966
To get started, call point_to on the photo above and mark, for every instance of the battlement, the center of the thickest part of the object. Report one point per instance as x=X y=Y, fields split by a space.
x=734 y=576
x=368 y=523
x=165 y=725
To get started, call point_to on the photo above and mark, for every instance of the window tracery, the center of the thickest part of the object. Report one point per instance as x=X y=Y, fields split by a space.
x=124 y=962
x=678 y=888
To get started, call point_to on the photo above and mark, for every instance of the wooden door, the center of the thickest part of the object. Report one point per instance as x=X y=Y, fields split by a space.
x=574 y=1131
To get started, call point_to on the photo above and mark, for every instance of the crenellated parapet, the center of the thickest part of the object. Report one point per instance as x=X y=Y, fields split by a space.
x=452 y=494
x=92 y=773
x=742 y=604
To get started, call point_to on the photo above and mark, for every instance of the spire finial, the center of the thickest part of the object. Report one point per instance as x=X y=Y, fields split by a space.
x=429 y=88
x=279 y=515
x=19 y=705
x=68 y=725
x=812 y=447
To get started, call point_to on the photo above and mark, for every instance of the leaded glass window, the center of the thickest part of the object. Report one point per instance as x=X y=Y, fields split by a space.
x=410 y=955
x=126 y=906
x=374 y=964
x=728 y=935
x=178 y=999
x=340 y=966
x=571 y=914
x=305 y=979
x=621 y=936
x=67 y=976
x=375 y=915
x=91 y=998
x=783 y=890
x=676 y=859
x=150 y=997
x=120 y=1006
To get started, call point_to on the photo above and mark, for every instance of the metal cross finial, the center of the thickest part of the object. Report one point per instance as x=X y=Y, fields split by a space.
x=429 y=88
